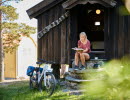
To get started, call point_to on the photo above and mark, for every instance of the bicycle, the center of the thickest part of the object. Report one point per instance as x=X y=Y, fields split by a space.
x=43 y=77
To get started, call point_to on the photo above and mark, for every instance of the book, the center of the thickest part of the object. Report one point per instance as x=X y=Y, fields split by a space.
x=78 y=49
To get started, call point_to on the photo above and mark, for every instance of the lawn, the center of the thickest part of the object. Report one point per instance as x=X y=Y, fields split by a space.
x=21 y=91
x=115 y=85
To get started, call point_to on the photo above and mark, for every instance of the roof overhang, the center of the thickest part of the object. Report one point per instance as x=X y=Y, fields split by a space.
x=42 y=7
x=72 y=3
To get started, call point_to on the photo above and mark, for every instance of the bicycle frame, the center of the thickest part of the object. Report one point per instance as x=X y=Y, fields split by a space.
x=45 y=70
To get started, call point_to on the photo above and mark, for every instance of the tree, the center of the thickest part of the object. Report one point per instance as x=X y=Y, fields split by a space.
x=10 y=31
x=12 y=35
x=1 y=58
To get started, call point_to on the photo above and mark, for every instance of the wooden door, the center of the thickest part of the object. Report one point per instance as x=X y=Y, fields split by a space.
x=10 y=65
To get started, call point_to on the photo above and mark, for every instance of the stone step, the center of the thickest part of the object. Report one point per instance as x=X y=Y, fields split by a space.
x=93 y=60
x=74 y=92
x=71 y=70
x=71 y=79
x=98 y=60
x=91 y=63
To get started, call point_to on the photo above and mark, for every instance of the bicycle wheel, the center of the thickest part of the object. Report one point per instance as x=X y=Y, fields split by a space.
x=33 y=82
x=50 y=84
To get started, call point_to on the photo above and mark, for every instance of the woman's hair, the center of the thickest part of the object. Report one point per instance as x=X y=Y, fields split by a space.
x=83 y=33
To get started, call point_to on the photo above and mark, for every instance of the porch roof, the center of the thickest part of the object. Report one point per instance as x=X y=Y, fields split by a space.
x=71 y=3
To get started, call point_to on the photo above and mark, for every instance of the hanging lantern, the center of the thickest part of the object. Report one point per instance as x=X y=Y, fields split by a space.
x=98 y=11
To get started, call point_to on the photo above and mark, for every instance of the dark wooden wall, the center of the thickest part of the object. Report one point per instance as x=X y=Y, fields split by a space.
x=117 y=32
x=55 y=45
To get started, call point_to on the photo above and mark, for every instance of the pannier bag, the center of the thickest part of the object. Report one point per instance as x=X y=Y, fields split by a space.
x=30 y=70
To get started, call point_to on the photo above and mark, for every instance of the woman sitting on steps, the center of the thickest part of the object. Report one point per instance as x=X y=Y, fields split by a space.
x=83 y=43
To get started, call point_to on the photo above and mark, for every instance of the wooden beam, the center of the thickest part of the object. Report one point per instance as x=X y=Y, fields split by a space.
x=53 y=24
x=68 y=3
x=71 y=3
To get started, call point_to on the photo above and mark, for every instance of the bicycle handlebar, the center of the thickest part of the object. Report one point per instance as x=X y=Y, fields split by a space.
x=44 y=61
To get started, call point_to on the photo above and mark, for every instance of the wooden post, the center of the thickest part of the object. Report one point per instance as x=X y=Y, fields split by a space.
x=56 y=70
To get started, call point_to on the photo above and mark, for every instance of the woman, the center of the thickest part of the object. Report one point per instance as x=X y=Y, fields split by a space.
x=83 y=43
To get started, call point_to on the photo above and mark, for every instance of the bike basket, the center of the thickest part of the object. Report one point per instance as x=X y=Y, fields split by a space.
x=30 y=70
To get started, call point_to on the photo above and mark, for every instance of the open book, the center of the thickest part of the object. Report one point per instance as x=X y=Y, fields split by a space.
x=78 y=49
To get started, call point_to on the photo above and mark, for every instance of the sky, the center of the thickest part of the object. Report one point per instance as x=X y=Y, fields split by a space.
x=21 y=10
x=23 y=17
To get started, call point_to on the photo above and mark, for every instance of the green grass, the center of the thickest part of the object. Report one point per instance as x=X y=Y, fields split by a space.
x=21 y=91
x=114 y=86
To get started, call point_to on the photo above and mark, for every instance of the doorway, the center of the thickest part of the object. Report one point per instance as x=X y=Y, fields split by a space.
x=90 y=19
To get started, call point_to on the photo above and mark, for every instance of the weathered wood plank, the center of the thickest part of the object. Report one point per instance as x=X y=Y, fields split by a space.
x=44 y=54
x=47 y=50
x=59 y=33
x=56 y=44
x=63 y=42
x=40 y=40
x=68 y=41
x=50 y=45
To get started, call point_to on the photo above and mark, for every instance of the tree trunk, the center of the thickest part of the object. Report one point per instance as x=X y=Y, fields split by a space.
x=1 y=51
